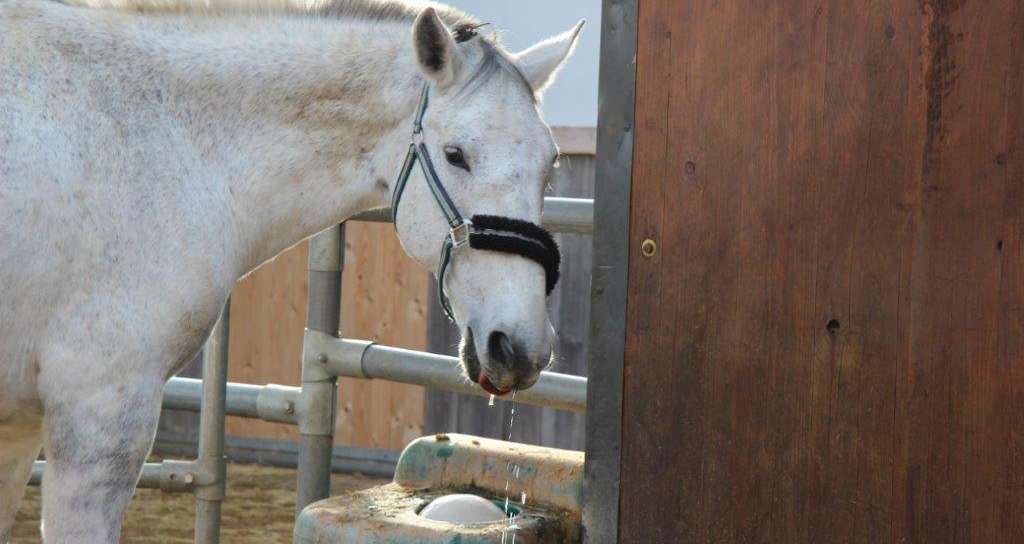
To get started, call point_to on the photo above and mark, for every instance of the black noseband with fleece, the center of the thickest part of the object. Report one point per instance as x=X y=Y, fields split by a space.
x=518 y=237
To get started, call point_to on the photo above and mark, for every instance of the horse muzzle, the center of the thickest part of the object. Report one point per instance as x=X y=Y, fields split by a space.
x=505 y=365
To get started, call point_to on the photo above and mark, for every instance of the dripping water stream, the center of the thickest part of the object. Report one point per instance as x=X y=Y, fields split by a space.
x=513 y=472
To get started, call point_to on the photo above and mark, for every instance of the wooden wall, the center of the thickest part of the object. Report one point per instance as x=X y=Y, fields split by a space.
x=383 y=299
x=828 y=345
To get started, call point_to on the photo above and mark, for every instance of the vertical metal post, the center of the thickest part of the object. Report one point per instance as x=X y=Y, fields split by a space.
x=319 y=398
x=609 y=280
x=210 y=476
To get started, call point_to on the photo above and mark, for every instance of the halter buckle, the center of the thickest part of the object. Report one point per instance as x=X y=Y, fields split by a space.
x=460 y=233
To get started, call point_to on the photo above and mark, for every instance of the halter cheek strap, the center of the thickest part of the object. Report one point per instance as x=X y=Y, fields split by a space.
x=484 y=232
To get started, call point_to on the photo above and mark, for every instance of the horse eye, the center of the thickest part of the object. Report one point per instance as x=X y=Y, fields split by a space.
x=455 y=157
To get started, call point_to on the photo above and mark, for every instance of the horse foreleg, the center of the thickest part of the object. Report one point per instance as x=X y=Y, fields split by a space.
x=95 y=446
x=16 y=456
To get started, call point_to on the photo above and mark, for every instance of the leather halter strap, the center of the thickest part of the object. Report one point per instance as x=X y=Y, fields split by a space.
x=500 y=234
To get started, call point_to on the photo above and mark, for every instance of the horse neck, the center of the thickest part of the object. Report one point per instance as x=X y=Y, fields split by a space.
x=306 y=121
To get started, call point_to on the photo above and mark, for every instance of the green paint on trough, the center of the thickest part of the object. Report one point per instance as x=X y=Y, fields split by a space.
x=445 y=452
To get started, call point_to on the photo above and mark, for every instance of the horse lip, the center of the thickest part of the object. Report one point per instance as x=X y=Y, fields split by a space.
x=488 y=386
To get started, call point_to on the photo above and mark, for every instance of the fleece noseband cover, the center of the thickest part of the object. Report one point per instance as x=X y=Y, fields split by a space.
x=518 y=237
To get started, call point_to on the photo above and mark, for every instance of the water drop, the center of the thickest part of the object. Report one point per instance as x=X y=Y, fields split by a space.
x=512 y=468
x=491 y=402
x=522 y=498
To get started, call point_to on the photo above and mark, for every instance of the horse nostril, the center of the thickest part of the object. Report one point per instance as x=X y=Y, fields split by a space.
x=499 y=347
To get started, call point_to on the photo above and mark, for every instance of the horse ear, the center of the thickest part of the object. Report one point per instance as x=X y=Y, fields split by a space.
x=540 y=63
x=435 y=48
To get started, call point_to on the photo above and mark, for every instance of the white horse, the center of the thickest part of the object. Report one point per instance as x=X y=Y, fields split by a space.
x=151 y=155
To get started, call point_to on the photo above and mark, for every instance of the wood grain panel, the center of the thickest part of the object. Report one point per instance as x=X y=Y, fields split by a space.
x=382 y=300
x=827 y=344
x=268 y=318
x=954 y=418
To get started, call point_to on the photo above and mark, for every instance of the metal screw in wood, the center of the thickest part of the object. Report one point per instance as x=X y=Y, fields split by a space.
x=648 y=248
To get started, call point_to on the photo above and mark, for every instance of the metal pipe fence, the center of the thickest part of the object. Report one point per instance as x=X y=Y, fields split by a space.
x=366 y=360
x=319 y=397
x=210 y=478
x=326 y=357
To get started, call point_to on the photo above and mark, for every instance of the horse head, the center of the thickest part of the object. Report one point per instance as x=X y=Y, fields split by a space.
x=470 y=211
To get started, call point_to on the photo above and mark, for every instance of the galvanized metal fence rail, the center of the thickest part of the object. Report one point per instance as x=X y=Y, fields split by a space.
x=312 y=407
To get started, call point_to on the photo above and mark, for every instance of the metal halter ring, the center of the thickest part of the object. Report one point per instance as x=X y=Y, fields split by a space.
x=460 y=233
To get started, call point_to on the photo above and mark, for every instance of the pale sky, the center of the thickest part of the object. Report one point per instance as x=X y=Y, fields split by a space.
x=572 y=101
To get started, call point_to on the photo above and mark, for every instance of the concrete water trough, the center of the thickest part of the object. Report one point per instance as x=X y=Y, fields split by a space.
x=433 y=467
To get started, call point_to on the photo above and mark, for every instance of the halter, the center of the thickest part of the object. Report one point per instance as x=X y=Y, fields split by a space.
x=488 y=232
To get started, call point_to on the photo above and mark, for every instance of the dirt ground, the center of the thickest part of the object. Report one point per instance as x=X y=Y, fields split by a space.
x=258 y=508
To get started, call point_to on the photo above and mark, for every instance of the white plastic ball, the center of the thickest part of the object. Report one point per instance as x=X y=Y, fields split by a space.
x=462 y=508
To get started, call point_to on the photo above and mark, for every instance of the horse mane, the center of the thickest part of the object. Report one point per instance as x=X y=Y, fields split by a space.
x=464 y=26
x=365 y=10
